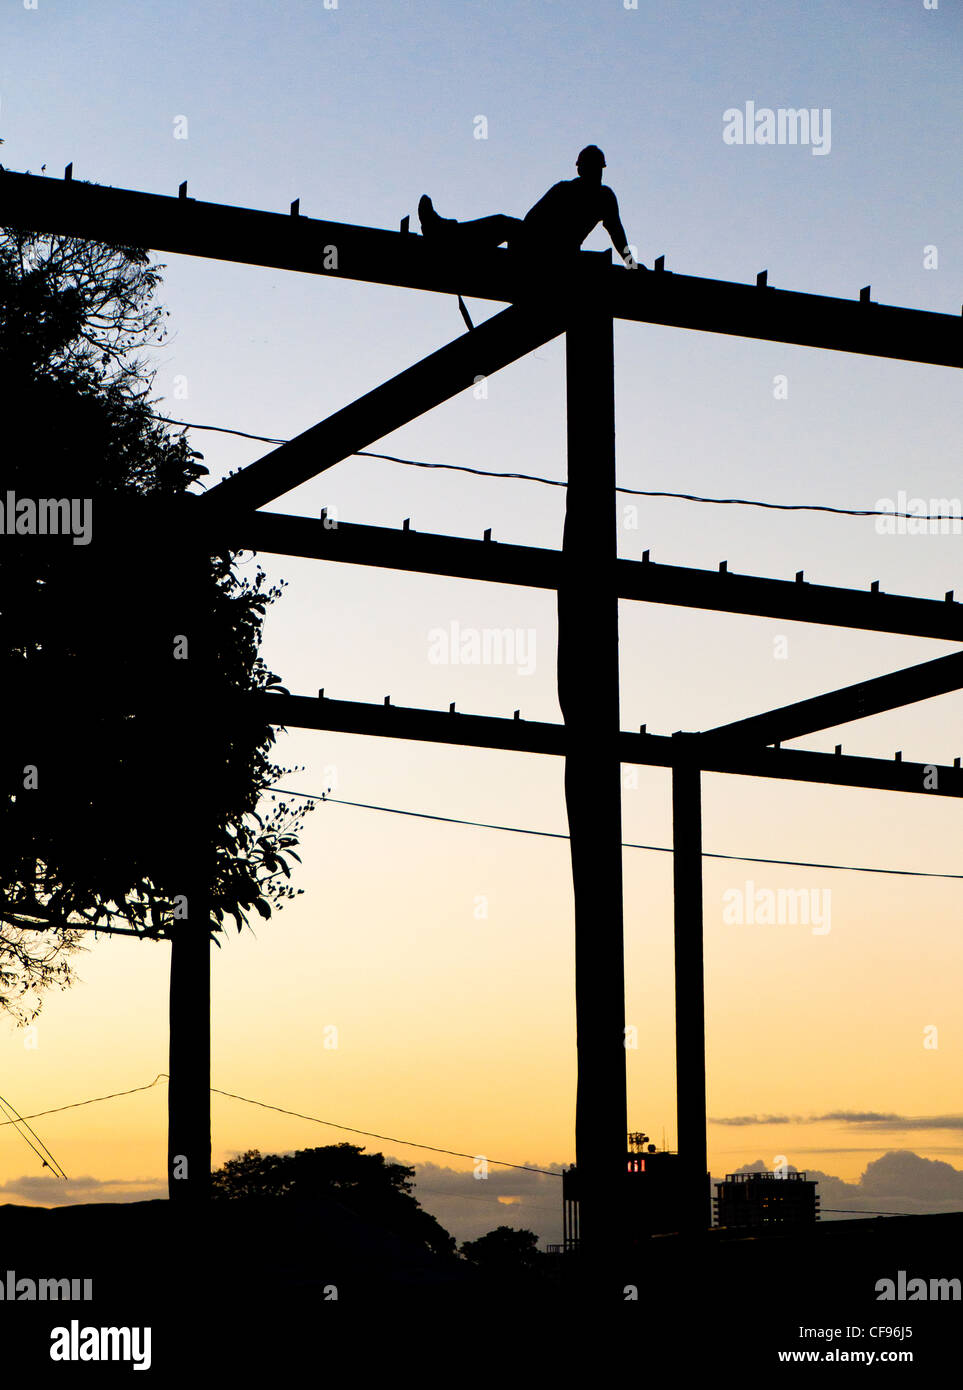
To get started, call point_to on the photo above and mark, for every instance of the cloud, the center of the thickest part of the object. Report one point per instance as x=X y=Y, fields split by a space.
x=738 y=1120
x=465 y=1206
x=855 y=1117
x=899 y=1181
x=468 y=1206
x=912 y=1123
x=901 y=1170
x=36 y=1190
x=872 y=1149
x=869 y=1121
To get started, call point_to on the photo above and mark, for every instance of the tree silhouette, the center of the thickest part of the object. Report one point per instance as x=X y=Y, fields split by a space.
x=367 y=1184
x=121 y=661
x=505 y=1250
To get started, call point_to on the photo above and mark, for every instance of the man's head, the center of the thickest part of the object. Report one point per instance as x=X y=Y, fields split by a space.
x=590 y=163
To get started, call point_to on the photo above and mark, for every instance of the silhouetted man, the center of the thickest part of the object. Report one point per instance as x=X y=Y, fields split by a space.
x=559 y=222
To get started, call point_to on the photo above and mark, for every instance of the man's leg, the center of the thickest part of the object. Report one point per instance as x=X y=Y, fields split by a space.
x=486 y=232
x=482 y=234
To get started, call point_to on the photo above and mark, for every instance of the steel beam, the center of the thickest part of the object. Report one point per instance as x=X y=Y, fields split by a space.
x=436 y=378
x=787 y=316
x=533 y=567
x=304 y=244
x=189 y=1068
x=858 y=701
x=588 y=694
x=399 y=721
x=652 y=750
x=189 y=1051
x=791 y=601
x=690 y=1026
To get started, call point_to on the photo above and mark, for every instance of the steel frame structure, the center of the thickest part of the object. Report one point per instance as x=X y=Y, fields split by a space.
x=587 y=576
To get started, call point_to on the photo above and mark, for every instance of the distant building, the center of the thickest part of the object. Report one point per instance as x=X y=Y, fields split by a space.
x=766 y=1199
x=653 y=1193
x=570 y=1209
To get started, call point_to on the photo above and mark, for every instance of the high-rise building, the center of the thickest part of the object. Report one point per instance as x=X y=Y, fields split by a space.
x=766 y=1199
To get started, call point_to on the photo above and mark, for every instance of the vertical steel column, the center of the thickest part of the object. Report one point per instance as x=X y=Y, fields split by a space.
x=189 y=1094
x=588 y=688
x=690 y=1037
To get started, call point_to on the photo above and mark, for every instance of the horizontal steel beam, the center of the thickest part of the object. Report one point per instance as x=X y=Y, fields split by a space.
x=646 y=581
x=836 y=769
x=858 y=701
x=396 y=721
x=791 y=600
x=653 y=750
x=385 y=547
x=318 y=247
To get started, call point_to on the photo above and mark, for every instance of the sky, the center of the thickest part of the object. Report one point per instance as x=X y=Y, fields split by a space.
x=441 y=954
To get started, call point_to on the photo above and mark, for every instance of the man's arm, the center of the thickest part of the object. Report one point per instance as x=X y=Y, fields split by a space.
x=612 y=223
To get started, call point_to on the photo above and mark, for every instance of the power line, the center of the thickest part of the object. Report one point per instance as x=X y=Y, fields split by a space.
x=628 y=491
x=220 y=429
x=17 y=1122
x=387 y=1138
x=657 y=849
x=94 y=1100
x=349 y=1129
x=53 y=1165
x=367 y=1133
x=852 y=1211
x=542 y=834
